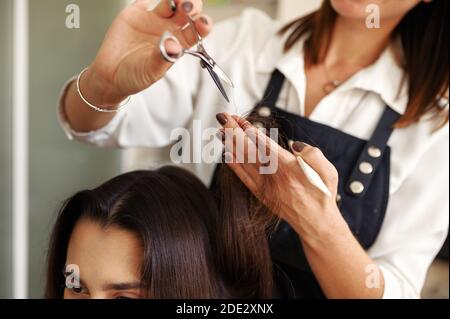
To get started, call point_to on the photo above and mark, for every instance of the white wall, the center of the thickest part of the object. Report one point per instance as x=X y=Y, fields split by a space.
x=59 y=168
x=6 y=58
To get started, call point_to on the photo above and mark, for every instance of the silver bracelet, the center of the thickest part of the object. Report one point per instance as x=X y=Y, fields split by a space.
x=96 y=108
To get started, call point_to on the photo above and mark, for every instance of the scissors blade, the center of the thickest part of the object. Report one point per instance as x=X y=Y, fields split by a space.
x=216 y=79
x=207 y=62
x=221 y=74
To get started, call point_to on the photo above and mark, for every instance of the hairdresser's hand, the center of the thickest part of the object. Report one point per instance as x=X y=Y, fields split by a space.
x=129 y=59
x=287 y=192
x=332 y=251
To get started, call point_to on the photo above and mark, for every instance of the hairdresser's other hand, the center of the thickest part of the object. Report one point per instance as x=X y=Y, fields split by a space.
x=129 y=59
x=288 y=191
x=331 y=249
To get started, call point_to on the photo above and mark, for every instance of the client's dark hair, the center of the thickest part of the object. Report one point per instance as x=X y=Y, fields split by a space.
x=192 y=248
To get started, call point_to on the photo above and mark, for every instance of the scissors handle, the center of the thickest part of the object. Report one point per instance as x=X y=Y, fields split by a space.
x=162 y=47
x=199 y=53
x=206 y=61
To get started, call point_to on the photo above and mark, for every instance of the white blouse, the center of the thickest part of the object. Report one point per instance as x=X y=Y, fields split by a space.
x=249 y=49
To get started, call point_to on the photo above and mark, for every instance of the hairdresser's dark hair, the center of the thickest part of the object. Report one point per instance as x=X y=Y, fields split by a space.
x=188 y=250
x=424 y=35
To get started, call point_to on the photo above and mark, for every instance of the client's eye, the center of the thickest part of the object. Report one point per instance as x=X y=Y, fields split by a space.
x=79 y=290
x=124 y=297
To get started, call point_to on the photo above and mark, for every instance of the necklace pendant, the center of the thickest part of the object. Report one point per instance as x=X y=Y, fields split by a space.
x=331 y=86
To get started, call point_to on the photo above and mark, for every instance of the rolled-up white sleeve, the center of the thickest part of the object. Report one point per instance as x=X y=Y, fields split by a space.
x=101 y=137
x=416 y=223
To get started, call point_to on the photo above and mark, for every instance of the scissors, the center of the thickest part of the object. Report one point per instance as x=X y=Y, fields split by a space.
x=206 y=61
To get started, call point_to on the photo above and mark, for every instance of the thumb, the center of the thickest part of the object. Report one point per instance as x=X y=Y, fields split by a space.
x=316 y=160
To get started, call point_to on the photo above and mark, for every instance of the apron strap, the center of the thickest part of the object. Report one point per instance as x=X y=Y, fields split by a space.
x=273 y=89
x=372 y=154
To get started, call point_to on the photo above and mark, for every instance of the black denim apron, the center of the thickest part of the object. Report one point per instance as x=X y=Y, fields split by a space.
x=364 y=169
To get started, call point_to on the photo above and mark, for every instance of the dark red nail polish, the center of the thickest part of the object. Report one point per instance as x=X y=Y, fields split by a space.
x=187 y=6
x=222 y=118
x=299 y=147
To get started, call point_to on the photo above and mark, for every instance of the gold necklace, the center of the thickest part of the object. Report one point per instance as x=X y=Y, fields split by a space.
x=331 y=85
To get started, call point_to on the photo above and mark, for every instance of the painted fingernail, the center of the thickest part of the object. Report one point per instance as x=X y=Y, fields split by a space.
x=187 y=6
x=299 y=147
x=222 y=118
x=204 y=20
x=173 y=5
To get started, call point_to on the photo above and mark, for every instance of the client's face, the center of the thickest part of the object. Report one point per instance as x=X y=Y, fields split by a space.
x=109 y=262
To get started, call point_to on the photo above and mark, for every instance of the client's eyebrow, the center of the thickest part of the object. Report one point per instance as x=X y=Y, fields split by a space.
x=123 y=286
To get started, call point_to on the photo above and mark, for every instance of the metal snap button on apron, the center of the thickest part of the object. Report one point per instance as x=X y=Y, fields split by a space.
x=264 y=111
x=366 y=168
x=357 y=187
x=374 y=152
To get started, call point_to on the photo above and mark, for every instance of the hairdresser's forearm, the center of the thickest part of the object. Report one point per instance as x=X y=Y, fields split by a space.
x=342 y=267
x=80 y=116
